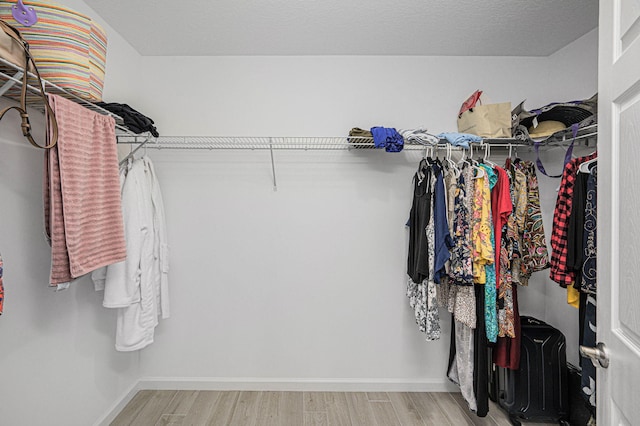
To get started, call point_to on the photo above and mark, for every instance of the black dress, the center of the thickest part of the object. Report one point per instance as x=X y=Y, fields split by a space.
x=418 y=259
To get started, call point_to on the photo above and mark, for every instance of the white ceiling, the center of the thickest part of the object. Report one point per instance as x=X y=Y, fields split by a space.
x=349 y=27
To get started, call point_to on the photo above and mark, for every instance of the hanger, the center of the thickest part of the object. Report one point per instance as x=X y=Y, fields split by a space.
x=424 y=163
x=487 y=154
x=507 y=161
x=133 y=152
x=584 y=167
x=479 y=170
x=463 y=159
x=420 y=173
x=451 y=163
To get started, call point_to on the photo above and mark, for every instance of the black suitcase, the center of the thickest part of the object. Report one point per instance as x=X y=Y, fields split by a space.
x=580 y=413
x=538 y=391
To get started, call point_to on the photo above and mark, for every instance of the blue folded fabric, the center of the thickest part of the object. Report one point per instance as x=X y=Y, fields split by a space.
x=388 y=138
x=460 y=139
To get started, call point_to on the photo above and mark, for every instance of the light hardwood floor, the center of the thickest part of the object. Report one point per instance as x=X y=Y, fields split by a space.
x=156 y=408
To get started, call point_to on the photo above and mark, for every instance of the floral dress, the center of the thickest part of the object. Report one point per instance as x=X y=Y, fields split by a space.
x=460 y=270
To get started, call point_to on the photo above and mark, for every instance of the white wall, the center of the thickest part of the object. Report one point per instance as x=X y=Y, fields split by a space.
x=58 y=364
x=307 y=283
x=326 y=96
x=577 y=64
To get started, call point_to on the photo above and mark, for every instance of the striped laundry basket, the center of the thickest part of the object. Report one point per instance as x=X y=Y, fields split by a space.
x=69 y=48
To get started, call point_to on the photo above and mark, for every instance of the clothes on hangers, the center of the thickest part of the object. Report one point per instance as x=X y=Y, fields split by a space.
x=516 y=228
x=506 y=353
x=482 y=250
x=560 y=271
x=458 y=295
x=461 y=270
x=421 y=289
x=138 y=286
x=490 y=312
x=461 y=369
x=573 y=260
x=477 y=285
x=589 y=236
x=442 y=238
x=535 y=256
x=501 y=208
x=588 y=287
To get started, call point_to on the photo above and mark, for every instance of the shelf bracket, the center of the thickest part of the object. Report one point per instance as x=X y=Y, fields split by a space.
x=10 y=83
x=273 y=165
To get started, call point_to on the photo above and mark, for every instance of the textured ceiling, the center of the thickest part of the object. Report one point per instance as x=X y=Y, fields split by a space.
x=349 y=27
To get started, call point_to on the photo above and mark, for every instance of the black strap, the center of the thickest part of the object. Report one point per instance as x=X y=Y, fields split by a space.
x=567 y=156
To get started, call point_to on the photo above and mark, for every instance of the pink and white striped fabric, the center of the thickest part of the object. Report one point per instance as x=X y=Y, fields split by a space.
x=83 y=215
x=69 y=48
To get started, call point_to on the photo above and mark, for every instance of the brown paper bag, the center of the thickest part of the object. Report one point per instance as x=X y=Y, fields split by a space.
x=487 y=121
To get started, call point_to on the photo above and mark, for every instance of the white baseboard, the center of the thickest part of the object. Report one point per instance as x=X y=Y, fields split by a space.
x=319 y=385
x=260 y=384
x=118 y=406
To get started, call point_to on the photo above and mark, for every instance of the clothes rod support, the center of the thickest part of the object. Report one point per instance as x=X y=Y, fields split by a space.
x=273 y=165
x=10 y=83
x=133 y=153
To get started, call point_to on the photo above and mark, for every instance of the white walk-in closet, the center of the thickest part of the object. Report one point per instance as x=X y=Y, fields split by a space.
x=287 y=266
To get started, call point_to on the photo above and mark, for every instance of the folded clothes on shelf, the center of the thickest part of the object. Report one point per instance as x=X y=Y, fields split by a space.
x=460 y=139
x=387 y=138
x=133 y=120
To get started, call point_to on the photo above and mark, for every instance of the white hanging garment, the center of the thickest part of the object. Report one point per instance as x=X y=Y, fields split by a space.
x=136 y=322
x=160 y=247
x=138 y=287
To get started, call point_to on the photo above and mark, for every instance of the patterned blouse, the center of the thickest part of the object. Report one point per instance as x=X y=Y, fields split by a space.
x=461 y=272
x=534 y=246
x=482 y=250
x=588 y=284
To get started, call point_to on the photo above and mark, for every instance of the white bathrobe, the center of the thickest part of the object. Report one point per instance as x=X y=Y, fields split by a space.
x=138 y=287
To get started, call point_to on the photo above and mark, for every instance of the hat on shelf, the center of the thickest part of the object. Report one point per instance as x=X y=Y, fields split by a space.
x=553 y=118
x=546 y=128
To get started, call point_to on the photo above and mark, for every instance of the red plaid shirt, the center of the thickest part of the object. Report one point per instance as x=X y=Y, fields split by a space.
x=560 y=272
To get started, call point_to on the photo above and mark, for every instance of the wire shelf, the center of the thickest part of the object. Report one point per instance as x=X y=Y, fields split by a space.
x=310 y=143
x=257 y=143
x=11 y=84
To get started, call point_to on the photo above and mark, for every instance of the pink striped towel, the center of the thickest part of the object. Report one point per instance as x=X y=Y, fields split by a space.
x=83 y=216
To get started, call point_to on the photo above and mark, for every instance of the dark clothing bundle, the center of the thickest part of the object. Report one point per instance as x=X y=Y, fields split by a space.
x=133 y=120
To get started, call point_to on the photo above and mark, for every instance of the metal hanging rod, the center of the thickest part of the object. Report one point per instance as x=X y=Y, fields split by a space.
x=311 y=144
x=307 y=143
